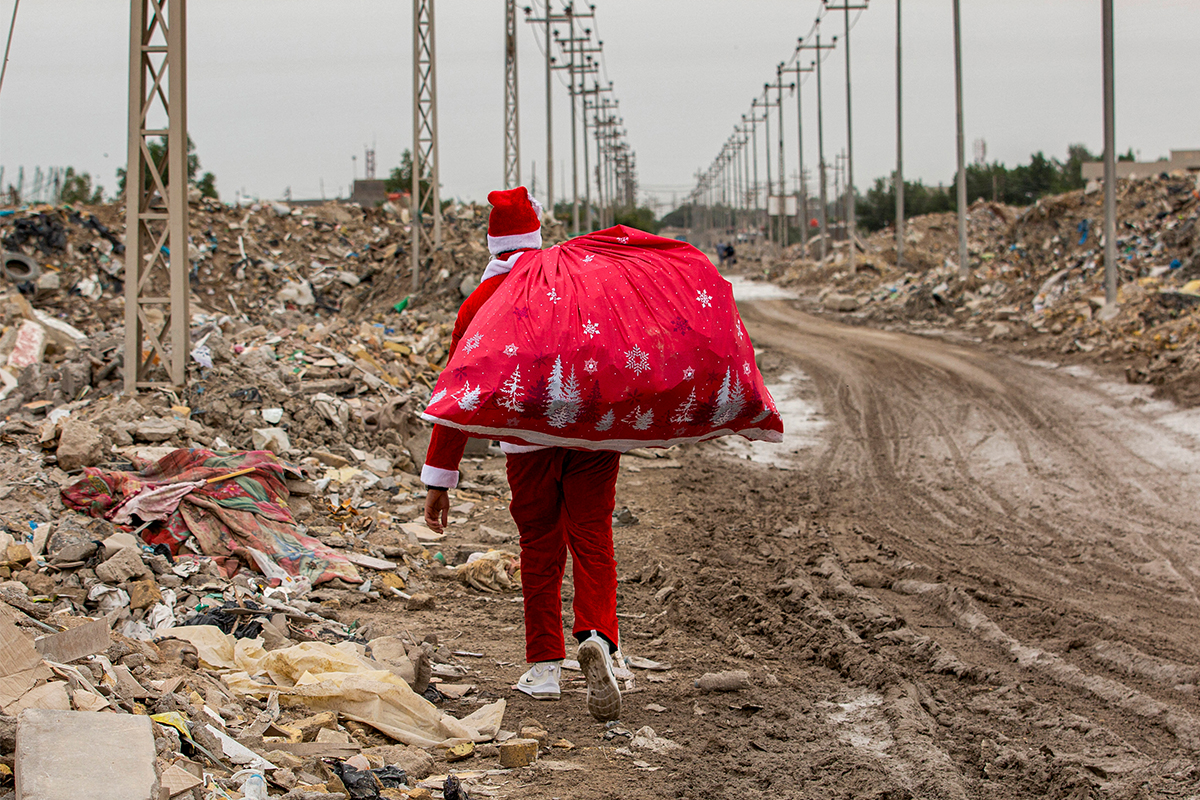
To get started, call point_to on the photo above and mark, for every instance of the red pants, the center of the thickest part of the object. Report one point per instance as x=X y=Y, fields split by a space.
x=564 y=499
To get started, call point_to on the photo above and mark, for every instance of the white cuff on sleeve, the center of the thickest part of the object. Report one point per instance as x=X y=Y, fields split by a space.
x=435 y=476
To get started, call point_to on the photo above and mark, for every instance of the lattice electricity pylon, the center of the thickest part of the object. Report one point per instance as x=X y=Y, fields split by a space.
x=512 y=115
x=156 y=226
x=425 y=147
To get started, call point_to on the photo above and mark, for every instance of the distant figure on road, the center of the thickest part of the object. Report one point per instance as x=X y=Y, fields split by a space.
x=726 y=254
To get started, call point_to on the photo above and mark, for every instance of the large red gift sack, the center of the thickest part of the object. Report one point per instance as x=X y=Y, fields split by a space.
x=609 y=341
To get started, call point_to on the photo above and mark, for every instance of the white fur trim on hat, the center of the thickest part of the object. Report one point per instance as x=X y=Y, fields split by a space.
x=515 y=241
x=537 y=207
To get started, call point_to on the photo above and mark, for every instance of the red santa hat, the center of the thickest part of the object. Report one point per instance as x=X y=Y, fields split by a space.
x=515 y=222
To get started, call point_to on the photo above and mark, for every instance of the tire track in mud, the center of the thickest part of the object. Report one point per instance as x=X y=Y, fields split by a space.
x=961 y=567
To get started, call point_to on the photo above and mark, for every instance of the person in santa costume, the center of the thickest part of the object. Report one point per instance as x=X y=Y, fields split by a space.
x=562 y=499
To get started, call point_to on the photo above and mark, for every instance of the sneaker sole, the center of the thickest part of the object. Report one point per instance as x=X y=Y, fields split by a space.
x=604 y=697
x=539 y=695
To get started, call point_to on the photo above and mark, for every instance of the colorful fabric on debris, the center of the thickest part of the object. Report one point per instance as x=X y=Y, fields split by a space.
x=229 y=517
x=609 y=341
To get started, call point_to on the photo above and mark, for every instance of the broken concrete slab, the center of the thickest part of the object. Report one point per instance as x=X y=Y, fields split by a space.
x=68 y=646
x=126 y=565
x=79 y=445
x=65 y=755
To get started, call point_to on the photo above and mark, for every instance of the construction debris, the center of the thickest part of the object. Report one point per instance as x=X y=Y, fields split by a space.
x=1037 y=276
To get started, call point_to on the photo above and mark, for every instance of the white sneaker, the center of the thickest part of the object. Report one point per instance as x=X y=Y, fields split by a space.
x=541 y=680
x=604 y=696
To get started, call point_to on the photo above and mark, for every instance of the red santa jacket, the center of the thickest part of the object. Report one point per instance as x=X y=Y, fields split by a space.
x=446 y=445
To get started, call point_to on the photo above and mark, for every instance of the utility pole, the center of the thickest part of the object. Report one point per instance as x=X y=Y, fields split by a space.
x=425 y=145
x=549 y=20
x=1110 y=164
x=778 y=86
x=899 y=153
x=587 y=174
x=851 y=223
x=156 y=208
x=818 y=47
x=767 y=151
x=803 y=193
x=754 y=120
x=512 y=118
x=571 y=44
x=964 y=269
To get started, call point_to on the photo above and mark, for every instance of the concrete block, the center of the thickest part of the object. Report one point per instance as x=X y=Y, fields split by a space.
x=126 y=565
x=66 y=755
x=79 y=445
x=517 y=753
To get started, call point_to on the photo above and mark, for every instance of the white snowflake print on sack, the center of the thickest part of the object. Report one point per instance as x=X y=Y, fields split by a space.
x=563 y=405
x=746 y=369
x=472 y=343
x=510 y=350
x=623 y=239
x=468 y=397
x=553 y=295
x=704 y=298
x=590 y=366
x=637 y=360
x=510 y=391
x=588 y=258
x=689 y=373
x=731 y=399
x=591 y=328
x=606 y=422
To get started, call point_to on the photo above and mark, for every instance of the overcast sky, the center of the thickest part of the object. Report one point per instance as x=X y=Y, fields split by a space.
x=284 y=92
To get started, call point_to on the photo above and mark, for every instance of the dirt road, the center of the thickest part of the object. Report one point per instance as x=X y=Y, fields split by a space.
x=977 y=578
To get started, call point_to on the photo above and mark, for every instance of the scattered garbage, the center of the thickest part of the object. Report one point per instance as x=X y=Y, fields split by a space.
x=1037 y=276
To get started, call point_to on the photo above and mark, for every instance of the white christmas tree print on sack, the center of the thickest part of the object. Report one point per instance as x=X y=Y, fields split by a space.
x=510 y=391
x=731 y=399
x=563 y=406
x=468 y=397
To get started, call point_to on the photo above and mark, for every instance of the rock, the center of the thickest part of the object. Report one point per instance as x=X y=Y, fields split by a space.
x=535 y=732
x=330 y=459
x=1108 y=313
x=421 y=601
x=518 y=753
x=415 y=762
x=8 y=734
x=143 y=594
x=309 y=727
x=273 y=439
x=120 y=541
x=157 y=430
x=79 y=445
x=65 y=755
x=39 y=584
x=731 y=681
x=841 y=302
x=125 y=565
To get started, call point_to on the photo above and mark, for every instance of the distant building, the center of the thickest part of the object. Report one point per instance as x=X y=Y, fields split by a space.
x=368 y=193
x=1188 y=160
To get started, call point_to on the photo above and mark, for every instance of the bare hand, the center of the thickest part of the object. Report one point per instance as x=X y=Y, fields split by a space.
x=437 y=510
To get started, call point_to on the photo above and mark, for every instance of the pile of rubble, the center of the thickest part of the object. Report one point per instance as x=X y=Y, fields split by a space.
x=139 y=607
x=1039 y=274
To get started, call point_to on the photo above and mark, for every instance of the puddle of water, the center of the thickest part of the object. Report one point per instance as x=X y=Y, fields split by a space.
x=802 y=424
x=745 y=289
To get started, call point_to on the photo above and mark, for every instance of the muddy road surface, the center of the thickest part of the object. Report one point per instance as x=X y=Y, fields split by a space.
x=963 y=576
